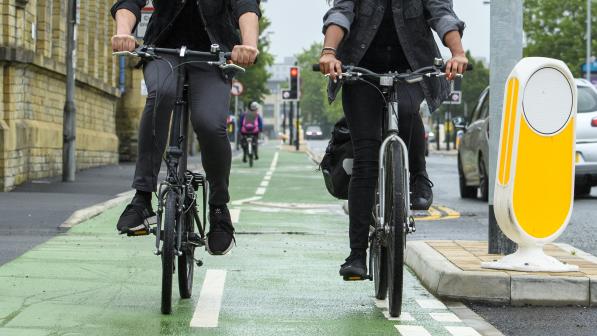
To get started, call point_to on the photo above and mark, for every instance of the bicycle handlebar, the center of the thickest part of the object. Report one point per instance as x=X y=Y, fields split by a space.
x=317 y=68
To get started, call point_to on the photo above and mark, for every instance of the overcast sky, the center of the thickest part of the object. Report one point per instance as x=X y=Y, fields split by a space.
x=296 y=24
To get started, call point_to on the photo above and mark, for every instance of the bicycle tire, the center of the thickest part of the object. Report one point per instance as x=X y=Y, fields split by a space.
x=379 y=267
x=168 y=251
x=396 y=217
x=186 y=262
x=250 y=155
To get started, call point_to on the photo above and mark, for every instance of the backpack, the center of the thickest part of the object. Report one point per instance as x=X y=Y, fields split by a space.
x=250 y=123
x=336 y=164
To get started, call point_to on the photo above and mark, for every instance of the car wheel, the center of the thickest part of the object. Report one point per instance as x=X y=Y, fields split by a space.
x=582 y=189
x=483 y=180
x=465 y=191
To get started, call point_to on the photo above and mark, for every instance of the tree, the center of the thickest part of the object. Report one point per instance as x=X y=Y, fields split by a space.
x=256 y=77
x=315 y=108
x=556 y=29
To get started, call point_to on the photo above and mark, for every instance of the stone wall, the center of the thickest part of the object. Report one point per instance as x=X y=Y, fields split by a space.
x=32 y=88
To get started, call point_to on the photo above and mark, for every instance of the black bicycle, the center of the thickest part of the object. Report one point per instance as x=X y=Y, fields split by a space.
x=391 y=213
x=249 y=148
x=177 y=213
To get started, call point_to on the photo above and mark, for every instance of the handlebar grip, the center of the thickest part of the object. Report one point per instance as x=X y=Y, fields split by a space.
x=469 y=67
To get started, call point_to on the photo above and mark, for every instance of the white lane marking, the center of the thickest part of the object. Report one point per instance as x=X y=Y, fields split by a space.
x=235 y=215
x=409 y=330
x=267 y=177
x=431 y=304
x=405 y=317
x=264 y=184
x=208 y=307
x=246 y=200
x=260 y=191
x=445 y=317
x=462 y=331
x=381 y=303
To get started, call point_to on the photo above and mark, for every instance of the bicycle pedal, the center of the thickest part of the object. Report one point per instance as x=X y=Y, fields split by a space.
x=138 y=233
x=354 y=278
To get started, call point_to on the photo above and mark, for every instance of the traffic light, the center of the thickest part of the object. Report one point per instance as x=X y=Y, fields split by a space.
x=294 y=92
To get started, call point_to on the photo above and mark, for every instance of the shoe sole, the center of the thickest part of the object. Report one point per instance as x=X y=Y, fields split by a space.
x=219 y=253
x=141 y=230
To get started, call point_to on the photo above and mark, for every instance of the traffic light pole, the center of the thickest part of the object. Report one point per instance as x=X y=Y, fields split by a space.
x=291 y=124
x=506 y=51
x=298 y=125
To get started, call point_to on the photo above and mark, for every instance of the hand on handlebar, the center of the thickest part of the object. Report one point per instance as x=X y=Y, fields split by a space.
x=244 y=55
x=456 y=65
x=123 y=42
x=330 y=65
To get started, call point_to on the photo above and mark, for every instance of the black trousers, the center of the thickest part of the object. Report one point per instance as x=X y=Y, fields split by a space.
x=363 y=107
x=209 y=97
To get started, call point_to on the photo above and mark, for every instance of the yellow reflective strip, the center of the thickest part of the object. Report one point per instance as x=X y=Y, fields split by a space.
x=511 y=130
x=508 y=131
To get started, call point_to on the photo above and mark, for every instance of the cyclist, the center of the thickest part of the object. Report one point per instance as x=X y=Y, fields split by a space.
x=387 y=36
x=250 y=125
x=196 y=25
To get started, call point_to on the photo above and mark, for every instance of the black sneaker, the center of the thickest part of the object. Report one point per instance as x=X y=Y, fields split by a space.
x=220 y=238
x=422 y=195
x=244 y=159
x=355 y=267
x=136 y=217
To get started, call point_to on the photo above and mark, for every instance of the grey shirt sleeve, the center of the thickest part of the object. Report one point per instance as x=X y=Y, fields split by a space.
x=341 y=14
x=442 y=17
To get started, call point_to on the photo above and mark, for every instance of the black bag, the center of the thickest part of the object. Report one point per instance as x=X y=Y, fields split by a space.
x=336 y=164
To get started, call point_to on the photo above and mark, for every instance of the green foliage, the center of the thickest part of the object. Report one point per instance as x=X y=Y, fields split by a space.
x=256 y=77
x=314 y=103
x=557 y=29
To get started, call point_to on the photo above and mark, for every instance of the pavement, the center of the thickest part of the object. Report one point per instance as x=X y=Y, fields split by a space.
x=281 y=278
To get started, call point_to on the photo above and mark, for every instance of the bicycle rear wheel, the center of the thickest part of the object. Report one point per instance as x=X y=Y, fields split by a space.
x=396 y=216
x=170 y=216
x=250 y=154
x=186 y=262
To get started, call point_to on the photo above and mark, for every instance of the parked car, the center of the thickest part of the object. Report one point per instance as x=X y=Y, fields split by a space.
x=429 y=138
x=473 y=152
x=313 y=132
x=586 y=138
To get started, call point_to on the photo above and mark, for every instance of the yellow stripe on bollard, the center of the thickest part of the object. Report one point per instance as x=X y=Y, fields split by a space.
x=508 y=131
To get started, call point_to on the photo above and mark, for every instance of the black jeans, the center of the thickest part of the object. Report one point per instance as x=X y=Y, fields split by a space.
x=209 y=96
x=363 y=107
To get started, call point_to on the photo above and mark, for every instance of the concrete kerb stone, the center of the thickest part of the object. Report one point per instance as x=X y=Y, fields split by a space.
x=85 y=214
x=442 y=278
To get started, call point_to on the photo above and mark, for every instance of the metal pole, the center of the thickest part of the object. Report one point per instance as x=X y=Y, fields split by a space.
x=298 y=125
x=589 y=68
x=236 y=124
x=291 y=124
x=506 y=51
x=437 y=141
x=284 y=119
x=69 y=127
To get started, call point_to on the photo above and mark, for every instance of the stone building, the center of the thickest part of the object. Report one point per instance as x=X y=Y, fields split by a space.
x=32 y=88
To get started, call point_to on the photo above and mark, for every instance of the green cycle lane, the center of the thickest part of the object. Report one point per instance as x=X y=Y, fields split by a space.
x=280 y=279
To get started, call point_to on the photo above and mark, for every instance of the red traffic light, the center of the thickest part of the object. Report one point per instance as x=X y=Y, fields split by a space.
x=294 y=72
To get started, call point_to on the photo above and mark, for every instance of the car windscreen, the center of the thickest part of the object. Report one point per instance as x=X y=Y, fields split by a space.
x=587 y=99
x=314 y=129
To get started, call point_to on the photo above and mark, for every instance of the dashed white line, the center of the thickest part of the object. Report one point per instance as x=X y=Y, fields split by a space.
x=405 y=317
x=260 y=191
x=235 y=215
x=246 y=200
x=462 y=331
x=264 y=184
x=268 y=175
x=207 y=312
x=445 y=317
x=410 y=330
x=431 y=304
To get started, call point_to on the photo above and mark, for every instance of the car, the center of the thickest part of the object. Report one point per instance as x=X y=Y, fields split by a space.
x=429 y=138
x=586 y=138
x=473 y=151
x=313 y=132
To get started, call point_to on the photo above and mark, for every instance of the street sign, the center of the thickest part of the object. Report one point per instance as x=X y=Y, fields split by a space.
x=286 y=95
x=534 y=187
x=237 y=88
x=454 y=98
x=146 y=13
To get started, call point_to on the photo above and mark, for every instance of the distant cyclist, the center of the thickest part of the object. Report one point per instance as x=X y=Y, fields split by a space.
x=250 y=124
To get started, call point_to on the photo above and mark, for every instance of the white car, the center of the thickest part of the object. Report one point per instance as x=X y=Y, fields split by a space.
x=586 y=138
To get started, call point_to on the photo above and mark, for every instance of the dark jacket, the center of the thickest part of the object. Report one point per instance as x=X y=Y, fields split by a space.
x=219 y=16
x=414 y=19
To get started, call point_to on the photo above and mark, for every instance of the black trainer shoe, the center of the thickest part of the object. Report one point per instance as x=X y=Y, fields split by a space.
x=355 y=267
x=136 y=217
x=244 y=159
x=220 y=238
x=422 y=195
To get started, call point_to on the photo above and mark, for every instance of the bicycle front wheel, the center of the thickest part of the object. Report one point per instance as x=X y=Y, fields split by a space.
x=186 y=262
x=379 y=268
x=250 y=155
x=170 y=216
x=396 y=216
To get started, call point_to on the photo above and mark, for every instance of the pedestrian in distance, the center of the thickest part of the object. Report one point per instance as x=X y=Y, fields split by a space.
x=383 y=36
x=196 y=25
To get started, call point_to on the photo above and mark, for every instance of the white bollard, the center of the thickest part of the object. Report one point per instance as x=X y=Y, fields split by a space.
x=534 y=186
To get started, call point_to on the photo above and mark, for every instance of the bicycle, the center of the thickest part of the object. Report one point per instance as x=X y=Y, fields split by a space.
x=249 y=147
x=177 y=211
x=391 y=212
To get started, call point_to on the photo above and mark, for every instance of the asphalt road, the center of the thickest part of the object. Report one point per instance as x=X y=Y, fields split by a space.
x=512 y=321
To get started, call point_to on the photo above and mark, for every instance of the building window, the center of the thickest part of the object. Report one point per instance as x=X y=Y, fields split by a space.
x=21 y=3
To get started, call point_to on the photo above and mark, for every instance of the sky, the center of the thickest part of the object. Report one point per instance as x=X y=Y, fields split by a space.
x=296 y=24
